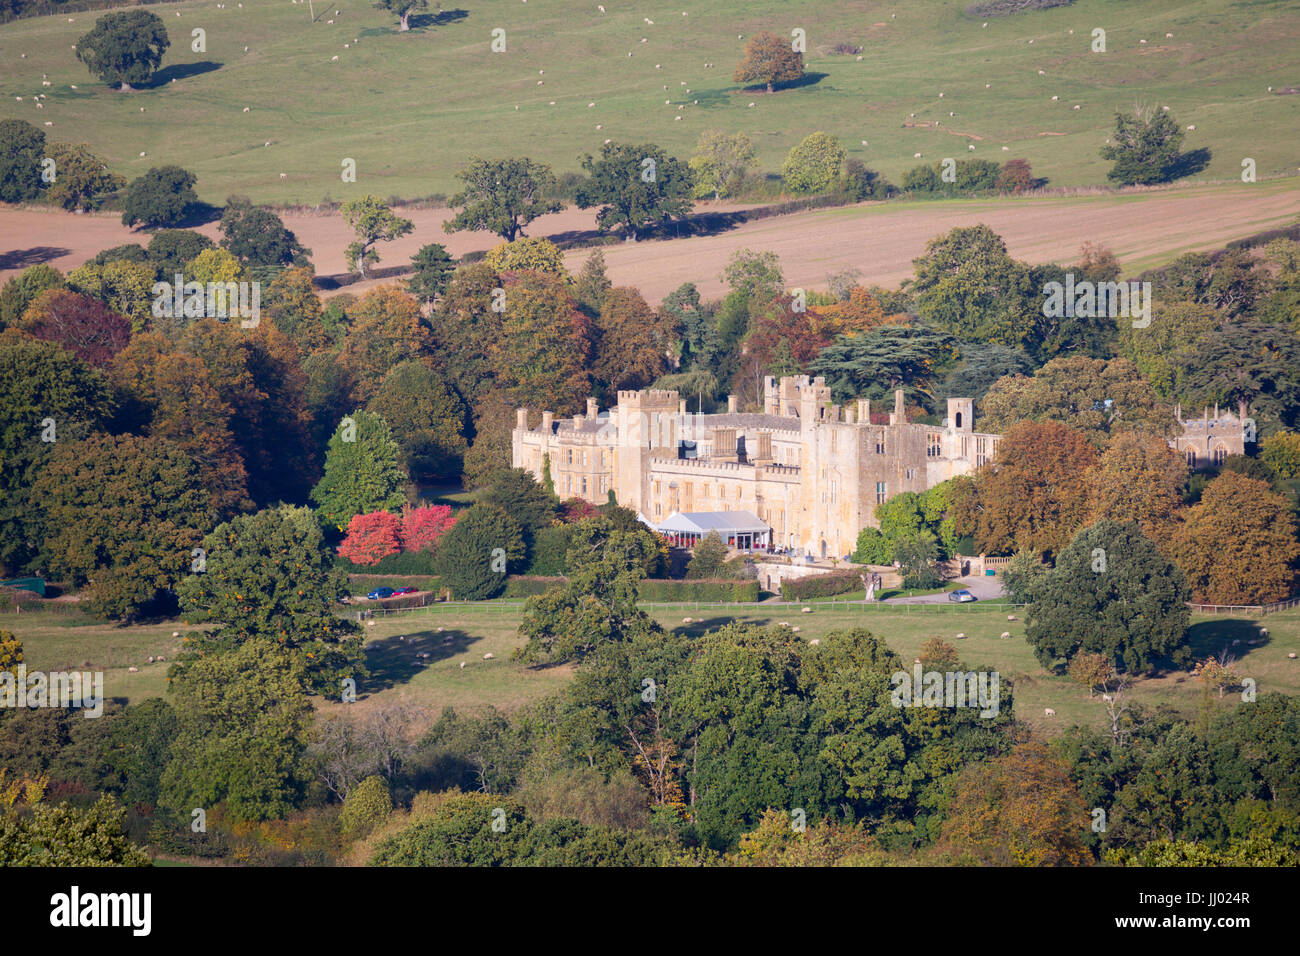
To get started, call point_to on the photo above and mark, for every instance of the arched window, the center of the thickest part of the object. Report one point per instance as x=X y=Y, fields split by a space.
x=1191 y=458
x=1220 y=453
x=958 y=425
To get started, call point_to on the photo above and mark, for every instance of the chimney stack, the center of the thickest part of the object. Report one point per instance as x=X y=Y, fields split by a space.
x=681 y=406
x=731 y=404
x=593 y=409
x=521 y=418
x=548 y=422
x=864 y=411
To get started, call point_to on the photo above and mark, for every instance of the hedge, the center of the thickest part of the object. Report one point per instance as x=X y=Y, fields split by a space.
x=520 y=585
x=821 y=585
x=404 y=562
x=705 y=589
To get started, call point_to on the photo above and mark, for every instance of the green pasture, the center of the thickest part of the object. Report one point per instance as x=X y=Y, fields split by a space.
x=410 y=108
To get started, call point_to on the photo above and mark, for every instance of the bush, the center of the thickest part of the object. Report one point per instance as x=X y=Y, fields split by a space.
x=549 y=548
x=407 y=562
x=520 y=586
x=698 y=590
x=368 y=805
x=821 y=585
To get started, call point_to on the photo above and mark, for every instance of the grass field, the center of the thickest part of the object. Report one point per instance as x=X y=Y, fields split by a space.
x=455 y=634
x=410 y=108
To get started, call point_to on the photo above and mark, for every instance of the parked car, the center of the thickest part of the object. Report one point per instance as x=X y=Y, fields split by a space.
x=961 y=595
x=400 y=591
x=378 y=594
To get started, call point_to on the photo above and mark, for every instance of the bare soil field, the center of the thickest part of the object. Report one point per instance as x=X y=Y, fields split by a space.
x=880 y=239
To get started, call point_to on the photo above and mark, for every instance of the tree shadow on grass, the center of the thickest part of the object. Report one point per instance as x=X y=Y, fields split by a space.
x=1189 y=163
x=22 y=258
x=421 y=21
x=811 y=78
x=1210 y=638
x=178 y=71
x=395 y=660
x=700 y=626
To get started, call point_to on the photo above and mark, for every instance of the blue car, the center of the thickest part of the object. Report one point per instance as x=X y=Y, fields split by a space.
x=378 y=594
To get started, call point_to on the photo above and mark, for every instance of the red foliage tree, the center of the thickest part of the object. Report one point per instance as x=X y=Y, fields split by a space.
x=1016 y=176
x=422 y=527
x=573 y=510
x=84 y=326
x=372 y=537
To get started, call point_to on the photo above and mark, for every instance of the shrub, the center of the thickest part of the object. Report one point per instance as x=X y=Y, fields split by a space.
x=518 y=586
x=368 y=805
x=821 y=585
x=697 y=590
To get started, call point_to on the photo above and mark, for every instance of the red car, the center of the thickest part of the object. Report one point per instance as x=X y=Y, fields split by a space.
x=401 y=591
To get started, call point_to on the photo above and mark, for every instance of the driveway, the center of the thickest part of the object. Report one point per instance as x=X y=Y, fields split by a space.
x=982 y=586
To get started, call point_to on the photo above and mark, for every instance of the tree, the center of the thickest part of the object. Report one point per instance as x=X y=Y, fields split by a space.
x=372 y=537
x=1091 y=670
x=139 y=748
x=125 y=287
x=814 y=164
x=11 y=652
x=980 y=365
x=1238 y=544
x=243 y=727
x=861 y=183
x=635 y=186
x=633 y=342
x=538 y=350
x=171 y=250
x=1100 y=398
x=1022 y=575
x=916 y=553
x=1251 y=362
x=215 y=265
x=1016 y=176
x=502 y=196
x=84 y=326
x=969 y=286
x=124 y=48
x=515 y=492
x=1111 y=592
x=161 y=197
x=720 y=162
x=474 y=556
x=81 y=178
x=368 y=805
x=39 y=382
x=873 y=548
x=1281 y=450
x=433 y=268
x=708 y=557
x=257 y=236
x=402 y=9
x=22 y=148
x=1139 y=478
x=292 y=306
x=21 y=291
x=1146 y=147
x=266 y=576
x=1018 y=810
x=373 y=221
x=423 y=528
x=1172 y=346
x=363 y=471
x=769 y=59
x=537 y=254
x=592 y=284
x=61 y=835
x=427 y=418
x=123 y=514
x=385 y=331
x=872 y=364
x=1034 y=493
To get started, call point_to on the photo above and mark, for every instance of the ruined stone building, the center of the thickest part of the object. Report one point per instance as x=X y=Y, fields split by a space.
x=811 y=470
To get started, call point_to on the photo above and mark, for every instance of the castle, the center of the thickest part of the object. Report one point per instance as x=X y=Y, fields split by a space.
x=810 y=471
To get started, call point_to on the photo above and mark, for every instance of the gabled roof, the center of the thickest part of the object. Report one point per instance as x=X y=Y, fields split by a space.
x=723 y=522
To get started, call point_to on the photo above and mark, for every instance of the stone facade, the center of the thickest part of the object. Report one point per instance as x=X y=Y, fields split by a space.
x=1207 y=440
x=812 y=470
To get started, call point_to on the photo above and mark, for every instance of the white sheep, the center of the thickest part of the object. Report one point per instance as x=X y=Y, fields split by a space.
x=1005 y=635
x=1048 y=712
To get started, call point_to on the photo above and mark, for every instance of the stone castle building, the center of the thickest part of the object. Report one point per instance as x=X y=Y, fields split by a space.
x=1208 y=440
x=812 y=471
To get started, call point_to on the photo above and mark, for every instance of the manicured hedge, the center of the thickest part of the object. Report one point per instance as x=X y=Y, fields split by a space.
x=404 y=562
x=702 y=590
x=518 y=586
x=821 y=585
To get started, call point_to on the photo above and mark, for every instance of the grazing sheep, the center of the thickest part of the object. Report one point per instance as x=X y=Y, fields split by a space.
x=971 y=147
x=805 y=610
x=489 y=656
x=1011 y=617
x=462 y=665
x=686 y=620
x=133 y=670
x=176 y=633
x=1005 y=635
x=1048 y=712
x=1192 y=127
x=961 y=636
x=795 y=629
x=1291 y=656
x=150 y=658
x=1169 y=36
x=916 y=155
x=815 y=640
x=1107 y=697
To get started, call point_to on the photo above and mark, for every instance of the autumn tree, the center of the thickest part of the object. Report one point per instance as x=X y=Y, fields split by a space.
x=385 y=331
x=372 y=537
x=1018 y=810
x=540 y=349
x=21 y=290
x=125 y=287
x=423 y=527
x=363 y=471
x=266 y=576
x=84 y=326
x=1101 y=398
x=532 y=254
x=1238 y=544
x=291 y=304
x=1139 y=478
x=632 y=341
x=502 y=196
x=1113 y=593
x=1034 y=494
x=1281 y=450
x=1092 y=670
x=769 y=59
x=374 y=221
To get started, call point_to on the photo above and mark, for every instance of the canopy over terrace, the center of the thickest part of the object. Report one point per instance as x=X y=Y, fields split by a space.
x=739 y=529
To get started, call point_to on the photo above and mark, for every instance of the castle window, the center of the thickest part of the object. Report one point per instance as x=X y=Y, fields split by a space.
x=958 y=421
x=570 y=453
x=1220 y=453
x=880 y=493
x=933 y=445
x=1191 y=458
x=880 y=444
x=584 y=486
x=910 y=473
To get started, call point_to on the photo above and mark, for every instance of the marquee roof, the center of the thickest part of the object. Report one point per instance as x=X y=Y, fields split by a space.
x=723 y=522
